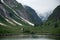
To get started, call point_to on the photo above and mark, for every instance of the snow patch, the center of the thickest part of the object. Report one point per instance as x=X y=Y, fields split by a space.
x=3 y=24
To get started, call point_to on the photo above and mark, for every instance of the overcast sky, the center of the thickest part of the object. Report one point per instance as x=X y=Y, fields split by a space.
x=41 y=6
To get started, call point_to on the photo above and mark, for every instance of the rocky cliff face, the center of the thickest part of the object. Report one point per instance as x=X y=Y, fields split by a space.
x=15 y=13
x=17 y=7
x=33 y=15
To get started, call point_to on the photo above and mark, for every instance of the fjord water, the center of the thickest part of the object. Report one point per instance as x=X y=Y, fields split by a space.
x=29 y=37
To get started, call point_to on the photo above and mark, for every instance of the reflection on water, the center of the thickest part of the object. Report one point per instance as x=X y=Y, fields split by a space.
x=30 y=37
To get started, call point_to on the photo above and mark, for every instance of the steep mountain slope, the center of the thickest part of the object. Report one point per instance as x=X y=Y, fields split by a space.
x=55 y=14
x=17 y=9
x=52 y=25
x=26 y=15
x=33 y=15
x=15 y=18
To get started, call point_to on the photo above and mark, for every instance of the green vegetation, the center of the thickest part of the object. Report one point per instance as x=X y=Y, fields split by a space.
x=46 y=28
x=51 y=26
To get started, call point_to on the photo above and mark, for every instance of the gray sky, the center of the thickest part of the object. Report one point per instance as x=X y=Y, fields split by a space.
x=41 y=6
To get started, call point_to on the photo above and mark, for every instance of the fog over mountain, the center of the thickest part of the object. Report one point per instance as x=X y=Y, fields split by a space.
x=41 y=6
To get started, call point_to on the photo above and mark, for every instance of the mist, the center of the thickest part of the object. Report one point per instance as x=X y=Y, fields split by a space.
x=41 y=6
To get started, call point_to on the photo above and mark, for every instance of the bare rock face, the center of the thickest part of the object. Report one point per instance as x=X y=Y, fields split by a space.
x=2 y=11
x=11 y=9
x=33 y=15
x=17 y=7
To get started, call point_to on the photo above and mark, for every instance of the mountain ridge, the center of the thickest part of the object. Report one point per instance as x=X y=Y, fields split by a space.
x=19 y=12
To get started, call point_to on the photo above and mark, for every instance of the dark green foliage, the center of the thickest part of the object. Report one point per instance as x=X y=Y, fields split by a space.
x=26 y=31
x=56 y=25
x=32 y=32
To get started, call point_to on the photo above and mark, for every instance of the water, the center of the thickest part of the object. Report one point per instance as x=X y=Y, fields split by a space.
x=27 y=37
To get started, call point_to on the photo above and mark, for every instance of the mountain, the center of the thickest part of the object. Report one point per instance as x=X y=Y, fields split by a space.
x=14 y=17
x=18 y=19
x=52 y=24
x=56 y=13
x=33 y=15
x=15 y=12
x=18 y=13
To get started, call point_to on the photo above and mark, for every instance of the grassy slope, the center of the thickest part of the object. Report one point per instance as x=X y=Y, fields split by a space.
x=47 y=27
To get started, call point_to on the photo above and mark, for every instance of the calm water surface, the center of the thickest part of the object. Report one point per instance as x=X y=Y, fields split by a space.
x=29 y=39
x=39 y=37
